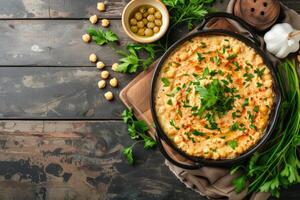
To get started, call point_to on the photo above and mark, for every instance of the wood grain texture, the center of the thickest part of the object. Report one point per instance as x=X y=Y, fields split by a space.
x=80 y=160
x=31 y=9
x=53 y=43
x=58 y=92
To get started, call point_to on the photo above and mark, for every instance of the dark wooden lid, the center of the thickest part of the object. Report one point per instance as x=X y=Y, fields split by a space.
x=259 y=13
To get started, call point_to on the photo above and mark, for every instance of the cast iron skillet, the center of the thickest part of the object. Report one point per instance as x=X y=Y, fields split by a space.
x=253 y=42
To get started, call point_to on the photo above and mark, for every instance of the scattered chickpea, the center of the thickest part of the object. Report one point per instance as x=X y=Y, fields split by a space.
x=151 y=10
x=93 y=58
x=93 y=19
x=86 y=38
x=101 y=84
x=113 y=82
x=100 y=65
x=101 y=6
x=109 y=95
x=104 y=74
x=156 y=29
x=114 y=67
x=105 y=22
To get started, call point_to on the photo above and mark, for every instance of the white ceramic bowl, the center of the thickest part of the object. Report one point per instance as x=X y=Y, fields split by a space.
x=131 y=6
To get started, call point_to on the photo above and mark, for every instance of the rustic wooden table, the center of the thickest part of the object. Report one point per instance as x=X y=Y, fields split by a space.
x=59 y=138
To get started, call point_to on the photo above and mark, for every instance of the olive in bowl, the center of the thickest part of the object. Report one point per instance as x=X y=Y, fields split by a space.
x=145 y=22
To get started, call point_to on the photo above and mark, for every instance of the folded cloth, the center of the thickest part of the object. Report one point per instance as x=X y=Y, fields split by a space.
x=216 y=183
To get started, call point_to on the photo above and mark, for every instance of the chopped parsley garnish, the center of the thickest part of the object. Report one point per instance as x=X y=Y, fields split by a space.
x=246 y=103
x=175 y=90
x=213 y=125
x=198 y=133
x=259 y=84
x=238 y=67
x=250 y=116
x=165 y=81
x=255 y=109
x=200 y=57
x=215 y=96
x=235 y=126
x=169 y=102
x=203 y=45
x=233 y=144
x=232 y=56
x=172 y=123
x=259 y=73
x=248 y=77
x=216 y=60
x=229 y=78
x=236 y=114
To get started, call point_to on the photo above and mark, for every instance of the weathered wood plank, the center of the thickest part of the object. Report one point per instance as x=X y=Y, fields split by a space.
x=80 y=160
x=31 y=9
x=57 y=92
x=52 y=43
x=293 y=4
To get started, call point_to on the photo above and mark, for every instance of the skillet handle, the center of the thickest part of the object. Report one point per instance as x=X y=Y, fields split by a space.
x=171 y=160
x=248 y=27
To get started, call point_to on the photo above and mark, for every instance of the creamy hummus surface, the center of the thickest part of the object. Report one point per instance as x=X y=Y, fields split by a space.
x=213 y=97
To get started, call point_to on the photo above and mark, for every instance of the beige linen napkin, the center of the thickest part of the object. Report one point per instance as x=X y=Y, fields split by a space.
x=216 y=183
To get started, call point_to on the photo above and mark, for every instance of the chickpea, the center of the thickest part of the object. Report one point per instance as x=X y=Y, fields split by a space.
x=145 y=14
x=156 y=29
x=143 y=9
x=141 y=32
x=86 y=38
x=157 y=15
x=158 y=22
x=151 y=10
x=140 y=24
x=100 y=65
x=150 y=25
x=183 y=56
x=101 y=84
x=148 y=32
x=93 y=19
x=263 y=108
x=268 y=83
x=178 y=139
x=113 y=82
x=109 y=95
x=93 y=58
x=138 y=16
x=133 y=21
x=134 y=29
x=104 y=74
x=101 y=6
x=269 y=93
x=105 y=22
x=115 y=66
x=150 y=18
x=145 y=21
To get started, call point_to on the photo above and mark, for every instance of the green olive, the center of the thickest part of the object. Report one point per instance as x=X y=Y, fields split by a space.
x=145 y=21
x=156 y=29
x=151 y=10
x=157 y=15
x=141 y=32
x=140 y=24
x=138 y=16
x=133 y=21
x=145 y=14
x=148 y=32
x=158 y=22
x=150 y=25
x=134 y=29
x=150 y=18
x=142 y=9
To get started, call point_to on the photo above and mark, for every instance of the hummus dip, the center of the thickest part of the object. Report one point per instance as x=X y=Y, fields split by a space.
x=213 y=97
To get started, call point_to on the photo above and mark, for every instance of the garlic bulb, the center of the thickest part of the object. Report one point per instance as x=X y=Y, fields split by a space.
x=282 y=39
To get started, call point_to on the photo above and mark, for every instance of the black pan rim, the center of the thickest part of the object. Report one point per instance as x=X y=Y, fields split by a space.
x=273 y=115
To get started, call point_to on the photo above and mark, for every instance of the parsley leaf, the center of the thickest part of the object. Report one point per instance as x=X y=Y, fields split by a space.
x=101 y=36
x=232 y=56
x=200 y=57
x=233 y=144
x=240 y=183
x=165 y=81
x=195 y=132
x=137 y=130
x=131 y=61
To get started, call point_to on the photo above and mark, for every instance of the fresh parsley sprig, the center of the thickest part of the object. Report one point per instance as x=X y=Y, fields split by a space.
x=131 y=60
x=101 y=36
x=137 y=130
x=277 y=165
